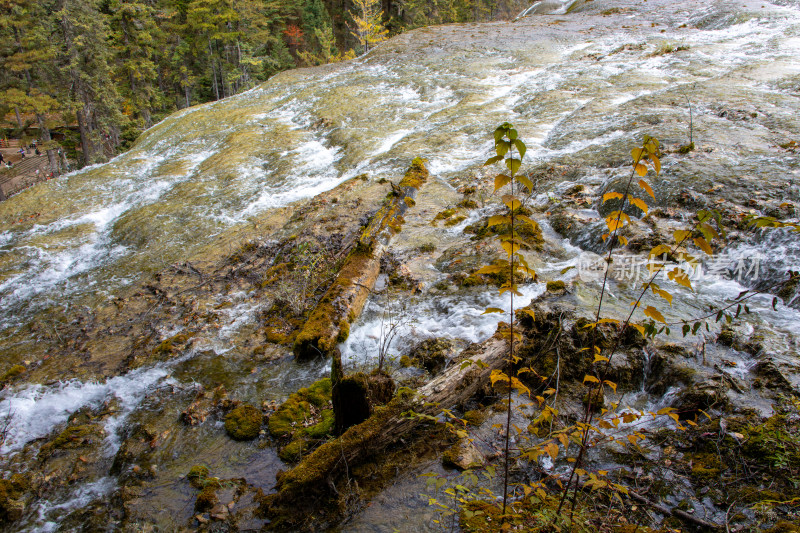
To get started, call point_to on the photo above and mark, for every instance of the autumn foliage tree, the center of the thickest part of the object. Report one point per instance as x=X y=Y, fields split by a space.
x=367 y=26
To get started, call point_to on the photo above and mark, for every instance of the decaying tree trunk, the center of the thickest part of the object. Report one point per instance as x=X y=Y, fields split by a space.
x=325 y=469
x=329 y=323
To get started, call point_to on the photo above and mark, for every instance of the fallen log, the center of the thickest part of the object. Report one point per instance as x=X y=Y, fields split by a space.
x=329 y=322
x=325 y=472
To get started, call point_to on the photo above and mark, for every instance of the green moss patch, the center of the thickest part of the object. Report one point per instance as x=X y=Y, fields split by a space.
x=244 y=422
x=197 y=476
x=304 y=417
x=13 y=373
x=79 y=436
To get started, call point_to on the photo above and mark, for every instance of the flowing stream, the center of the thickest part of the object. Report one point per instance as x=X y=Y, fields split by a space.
x=581 y=81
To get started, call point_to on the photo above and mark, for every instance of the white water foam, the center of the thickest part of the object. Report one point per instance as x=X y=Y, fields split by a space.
x=37 y=409
x=454 y=317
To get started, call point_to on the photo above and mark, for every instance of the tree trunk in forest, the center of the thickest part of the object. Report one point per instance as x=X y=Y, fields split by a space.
x=19 y=119
x=86 y=145
x=214 y=80
x=52 y=158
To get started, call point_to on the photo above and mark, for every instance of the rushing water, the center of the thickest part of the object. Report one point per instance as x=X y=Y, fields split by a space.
x=582 y=83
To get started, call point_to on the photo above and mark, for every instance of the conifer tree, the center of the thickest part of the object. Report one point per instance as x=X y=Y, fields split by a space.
x=86 y=59
x=136 y=34
x=27 y=67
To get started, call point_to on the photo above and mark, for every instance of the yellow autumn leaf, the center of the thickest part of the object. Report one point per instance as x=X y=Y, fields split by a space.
x=638 y=202
x=644 y=185
x=653 y=313
x=681 y=235
x=494 y=220
x=680 y=277
x=590 y=379
x=511 y=201
x=490 y=269
x=614 y=224
x=660 y=250
x=510 y=247
x=500 y=181
x=703 y=245
x=612 y=196
x=661 y=292
x=552 y=450
x=641 y=169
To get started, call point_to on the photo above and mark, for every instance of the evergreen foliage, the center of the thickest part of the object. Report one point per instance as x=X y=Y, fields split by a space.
x=111 y=68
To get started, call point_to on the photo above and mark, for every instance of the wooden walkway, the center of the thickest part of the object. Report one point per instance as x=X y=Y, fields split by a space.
x=24 y=174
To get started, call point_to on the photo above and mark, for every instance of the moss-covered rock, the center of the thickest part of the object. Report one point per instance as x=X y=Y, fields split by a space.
x=171 y=346
x=297 y=408
x=727 y=337
x=454 y=221
x=708 y=394
x=197 y=476
x=529 y=233
x=789 y=289
x=11 y=491
x=475 y=417
x=463 y=455
x=77 y=436
x=556 y=286
x=12 y=373
x=244 y=422
x=433 y=354
x=206 y=499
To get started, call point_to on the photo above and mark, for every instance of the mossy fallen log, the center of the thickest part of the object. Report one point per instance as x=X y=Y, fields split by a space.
x=329 y=322
x=323 y=476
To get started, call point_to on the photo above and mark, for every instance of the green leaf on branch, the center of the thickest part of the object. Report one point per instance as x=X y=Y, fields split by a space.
x=520 y=147
x=524 y=180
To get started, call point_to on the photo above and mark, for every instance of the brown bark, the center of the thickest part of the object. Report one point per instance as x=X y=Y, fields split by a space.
x=345 y=300
x=86 y=145
x=318 y=473
x=52 y=157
